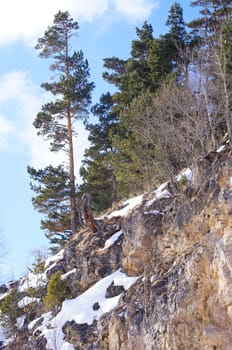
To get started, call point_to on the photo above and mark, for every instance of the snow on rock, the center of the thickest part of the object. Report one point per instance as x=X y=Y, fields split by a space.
x=65 y=275
x=2 y=336
x=81 y=310
x=153 y=212
x=2 y=296
x=32 y=281
x=27 y=300
x=187 y=174
x=55 y=258
x=109 y=242
x=46 y=318
x=160 y=192
x=129 y=205
x=67 y=346
x=221 y=148
x=20 y=321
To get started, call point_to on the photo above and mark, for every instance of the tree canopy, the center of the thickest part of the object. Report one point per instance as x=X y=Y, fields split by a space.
x=171 y=103
x=72 y=96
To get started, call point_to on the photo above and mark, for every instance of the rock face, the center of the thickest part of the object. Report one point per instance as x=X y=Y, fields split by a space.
x=178 y=241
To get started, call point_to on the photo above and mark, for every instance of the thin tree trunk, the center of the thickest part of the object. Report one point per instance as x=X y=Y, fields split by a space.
x=73 y=206
x=114 y=185
x=72 y=178
x=78 y=206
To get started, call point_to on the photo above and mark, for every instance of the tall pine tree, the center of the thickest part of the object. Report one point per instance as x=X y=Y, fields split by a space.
x=71 y=91
x=177 y=40
x=97 y=171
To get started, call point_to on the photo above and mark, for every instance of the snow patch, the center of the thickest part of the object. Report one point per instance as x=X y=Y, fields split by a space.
x=220 y=149
x=2 y=296
x=81 y=310
x=46 y=318
x=55 y=258
x=153 y=212
x=33 y=323
x=65 y=275
x=160 y=192
x=27 y=300
x=2 y=336
x=129 y=205
x=32 y=281
x=109 y=242
x=187 y=174
x=67 y=346
x=20 y=321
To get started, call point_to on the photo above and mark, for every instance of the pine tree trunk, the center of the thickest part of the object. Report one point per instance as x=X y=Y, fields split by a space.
x=72 y=178
x=114 y=185
x=71 y=154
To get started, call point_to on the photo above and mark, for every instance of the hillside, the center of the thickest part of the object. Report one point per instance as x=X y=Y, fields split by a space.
x=158 y=277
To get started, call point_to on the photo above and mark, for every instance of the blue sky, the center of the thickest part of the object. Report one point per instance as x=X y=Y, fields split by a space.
x=107 y=28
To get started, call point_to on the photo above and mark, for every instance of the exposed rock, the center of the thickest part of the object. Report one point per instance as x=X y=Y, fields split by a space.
x=113 y=290
x=178 y=241
x=60 y=266
x=82 y=335
x=91 y=261
x=96 y=306
x=3 y=289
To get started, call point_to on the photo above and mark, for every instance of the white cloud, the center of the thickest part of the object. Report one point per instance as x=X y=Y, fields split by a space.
x=23 y=100
x=135 y=9
x=6 y=128
x=27 y=19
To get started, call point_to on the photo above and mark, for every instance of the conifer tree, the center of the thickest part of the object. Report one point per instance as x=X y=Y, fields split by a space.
x=213 y=14
x=56 y=292
x=71 y=90
x=9 y=312
x=51 y=186
x=149 y=65
x=97 y=171
x=177 y=40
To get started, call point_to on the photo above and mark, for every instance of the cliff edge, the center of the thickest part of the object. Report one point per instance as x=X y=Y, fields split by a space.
x=158 y=276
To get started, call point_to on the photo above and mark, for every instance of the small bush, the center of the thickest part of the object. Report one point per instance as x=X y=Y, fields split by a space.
x=56 y=292
x=37 y=292
x=182 y=182
x=38 y=265
x=9 y=311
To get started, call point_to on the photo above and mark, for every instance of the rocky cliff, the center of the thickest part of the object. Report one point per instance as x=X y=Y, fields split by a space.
x=158 y=276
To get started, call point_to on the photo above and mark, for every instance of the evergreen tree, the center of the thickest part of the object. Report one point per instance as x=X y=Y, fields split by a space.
x=9 y=312
x=131 y=76
x=177 y=39
x=148 y=67
x=213 y=14
x=56 y=292
x=72 y=92
x=52 y=188
x=97 y=171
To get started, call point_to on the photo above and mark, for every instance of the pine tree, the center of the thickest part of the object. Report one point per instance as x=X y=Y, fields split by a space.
x=56 y=292
x=213 y=14
x=177 y=40
x=147 y=68
x=9 y=312
x=97 y=171
x=72 y=92
x=52 y=188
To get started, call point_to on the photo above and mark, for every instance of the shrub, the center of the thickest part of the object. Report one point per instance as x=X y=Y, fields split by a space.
x=56 y=292
x=38 y=265
x=9 y=311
